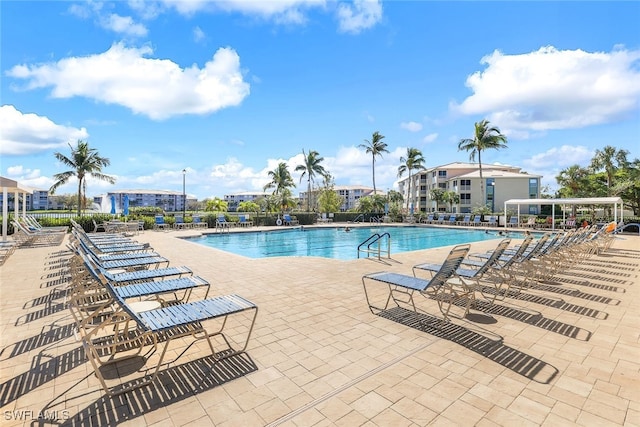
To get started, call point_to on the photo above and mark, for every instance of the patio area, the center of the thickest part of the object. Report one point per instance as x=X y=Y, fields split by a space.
x=562 y=353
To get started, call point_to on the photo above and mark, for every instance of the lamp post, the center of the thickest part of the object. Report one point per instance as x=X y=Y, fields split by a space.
x=184 y=194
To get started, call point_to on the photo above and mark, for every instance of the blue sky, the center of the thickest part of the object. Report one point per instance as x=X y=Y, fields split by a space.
x=227 y=90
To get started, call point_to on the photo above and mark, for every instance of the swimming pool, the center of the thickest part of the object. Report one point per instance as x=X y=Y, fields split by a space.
x=334 y=242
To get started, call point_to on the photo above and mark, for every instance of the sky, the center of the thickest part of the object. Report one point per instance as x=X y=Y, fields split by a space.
x=226 y=90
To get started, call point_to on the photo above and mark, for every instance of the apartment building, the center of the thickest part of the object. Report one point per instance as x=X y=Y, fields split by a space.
x=170 y=201
x=501 y=183
x=350 y=195
x=233 y=200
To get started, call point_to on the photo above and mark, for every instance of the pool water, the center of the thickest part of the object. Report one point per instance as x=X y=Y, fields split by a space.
x=335 y=242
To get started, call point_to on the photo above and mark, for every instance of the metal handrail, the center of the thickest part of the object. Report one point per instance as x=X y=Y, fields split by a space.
x=373 y=239
x=361 y=216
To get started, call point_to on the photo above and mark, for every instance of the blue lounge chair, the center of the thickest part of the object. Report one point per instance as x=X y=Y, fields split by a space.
x=287 y=220
x=197 y=222
x=166 y=324
x=244 y=221
x=403 y=287
x=428 y=219
x=159 y=223
x=452 y=219
x=465 y=221
x=222 y=223
x=513 y=221
x=180 y=224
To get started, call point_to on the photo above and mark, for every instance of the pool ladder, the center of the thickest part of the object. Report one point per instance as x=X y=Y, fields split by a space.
x=375 y=240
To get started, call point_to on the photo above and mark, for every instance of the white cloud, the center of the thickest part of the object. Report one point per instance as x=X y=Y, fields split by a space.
x=281 y=11
x=555 y=89
x=551 y=162
x=158 y=88
x=29 y=133
x=411 y=126
x=430 y=138
x=198 y=34
x=123 y=25
x=359 y=15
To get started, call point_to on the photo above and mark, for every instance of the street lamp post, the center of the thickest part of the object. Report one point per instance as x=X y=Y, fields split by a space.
x=184 y=194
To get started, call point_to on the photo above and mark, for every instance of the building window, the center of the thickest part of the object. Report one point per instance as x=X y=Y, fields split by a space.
x=465 y=198
x=533 y=188
x=442 y=174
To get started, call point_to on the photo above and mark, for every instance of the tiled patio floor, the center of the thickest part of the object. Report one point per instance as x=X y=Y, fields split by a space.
x=567 y=353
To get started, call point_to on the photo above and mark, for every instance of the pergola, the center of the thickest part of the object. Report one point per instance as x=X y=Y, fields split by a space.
x=11 y=186
x=586 y=201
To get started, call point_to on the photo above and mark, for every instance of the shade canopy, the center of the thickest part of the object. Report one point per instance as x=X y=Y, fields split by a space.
x=616 y=202
x=10 y=186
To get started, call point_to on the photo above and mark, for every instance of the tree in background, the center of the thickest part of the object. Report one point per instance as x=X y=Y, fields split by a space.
x=485 y=136
x=413 y=161
x=610 y=160
x=280 y=179
x=310 y=168
x=375 y=147
x=329 y=200
x=84 y=162
x=216 y=205
x=452 y=198
x=437 y=194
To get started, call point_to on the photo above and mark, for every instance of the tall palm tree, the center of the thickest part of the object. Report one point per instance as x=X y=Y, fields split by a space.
x=281 y=180
x=485 y=136
x=610 y=160
x=84 y=162
x=310 y=168
x=414 y=160
x=375 y=147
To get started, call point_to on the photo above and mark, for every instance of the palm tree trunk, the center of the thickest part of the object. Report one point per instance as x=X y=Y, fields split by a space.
x=484 y=198
x=79 y=194
x=373 y=168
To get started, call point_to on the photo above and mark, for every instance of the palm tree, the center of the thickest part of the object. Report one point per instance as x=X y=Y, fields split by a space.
x=280 y=179
x=485 y=137
x=610 y=160
x=83 y=161
x=414 y=160
x=375 y=147
x=310 y=168
x=574 y=183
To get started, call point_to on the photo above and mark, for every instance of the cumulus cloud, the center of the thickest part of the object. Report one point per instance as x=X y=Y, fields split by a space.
x=157 y=88
x=430 y=138
x=29 y=133
x=551 y=162
x=554 y=89
x=359 y=15
x=411 y=126
x=123 y=25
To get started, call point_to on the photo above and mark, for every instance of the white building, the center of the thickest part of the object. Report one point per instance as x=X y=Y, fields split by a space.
x=350 y=194
x=233 y=200
x=169 y=201
x=501 y=182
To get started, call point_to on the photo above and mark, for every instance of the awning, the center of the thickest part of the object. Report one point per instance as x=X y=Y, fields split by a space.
x=10 y=186
x=584 y=201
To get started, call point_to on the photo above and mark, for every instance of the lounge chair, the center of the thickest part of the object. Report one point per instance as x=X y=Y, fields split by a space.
x=180 y=224
x=288 y=220
x=427 y=220
x=198 y=223
x=244 y=221
x=531 y=222
x=440 y=219
x=27 y=237
x=493 y=221
x=452 y=219
x=465 y=221
x=402 y=287
x=489 y=270
x=513 y=221
x=160 y=224
x=191 y=319
x=477 y=220
x=222 y=223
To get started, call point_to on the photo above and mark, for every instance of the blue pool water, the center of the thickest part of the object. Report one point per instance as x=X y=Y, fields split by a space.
x=334 y=242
